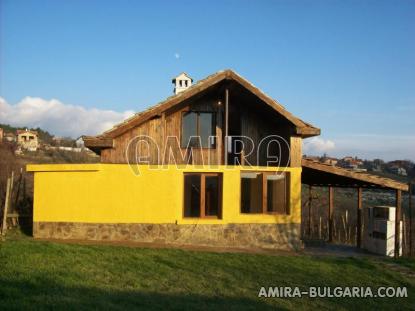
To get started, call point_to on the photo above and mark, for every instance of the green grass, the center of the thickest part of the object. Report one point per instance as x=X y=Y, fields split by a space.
x=407 y=262
x=45 y=275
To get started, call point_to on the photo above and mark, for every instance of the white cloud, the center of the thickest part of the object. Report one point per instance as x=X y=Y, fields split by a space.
x=366 y=146
x=177 y=55
x=59 y=118
x=318 y=146
x=369 y=146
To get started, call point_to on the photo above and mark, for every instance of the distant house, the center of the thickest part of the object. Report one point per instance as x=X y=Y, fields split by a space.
x=351 y=164
x=373 y=166
x=9 y=137
x=1 y=134
x=398 y=170
x=27 y=139
x=80 y=143
x=330 y=161
x=313 y=158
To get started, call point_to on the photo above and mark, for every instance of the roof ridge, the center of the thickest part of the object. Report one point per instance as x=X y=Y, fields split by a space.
x=303 y=128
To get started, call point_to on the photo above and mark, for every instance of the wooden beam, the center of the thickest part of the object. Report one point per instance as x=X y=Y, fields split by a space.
x=226 y=125
x=307 y=131
x=296 y=151
x=94 y=142
x=331 y=209
x=310 y=197
x=163 y=138
x=264 y=193
x=359 y=218
x=203 y=196
x=6 y=207
x=219 y=132
x=398 y=222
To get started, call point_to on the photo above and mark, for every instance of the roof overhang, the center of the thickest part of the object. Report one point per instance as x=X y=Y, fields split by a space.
x=97 y=143
x=319 y=174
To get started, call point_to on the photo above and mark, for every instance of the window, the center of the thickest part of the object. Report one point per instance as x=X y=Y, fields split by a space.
x=251 y=192
x=196 y=129
x=192 y=195
x=264 y=192
x=276 y=193
x=203 y=195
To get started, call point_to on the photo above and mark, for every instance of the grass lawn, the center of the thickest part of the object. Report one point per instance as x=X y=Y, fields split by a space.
x=45 y=275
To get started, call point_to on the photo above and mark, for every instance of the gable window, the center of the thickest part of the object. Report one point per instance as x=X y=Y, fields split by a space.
x=197 y=127
x=264 y=192
x=203 y=195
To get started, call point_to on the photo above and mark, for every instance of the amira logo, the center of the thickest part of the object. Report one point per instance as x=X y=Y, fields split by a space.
x=272 y=150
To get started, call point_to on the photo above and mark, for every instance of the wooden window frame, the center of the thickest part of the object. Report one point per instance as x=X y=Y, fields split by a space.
x=202 y=195
x=214 y=124
x=265 y=192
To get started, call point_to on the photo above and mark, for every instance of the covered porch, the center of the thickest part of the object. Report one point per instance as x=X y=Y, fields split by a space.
x=324 y=176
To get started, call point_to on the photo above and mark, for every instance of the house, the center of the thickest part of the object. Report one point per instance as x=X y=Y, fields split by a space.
x=330 y=161
x=351 y=163
x=218 y=163
x=9 y=137
x=80 y=143
x=398 y=170
x=27 y=139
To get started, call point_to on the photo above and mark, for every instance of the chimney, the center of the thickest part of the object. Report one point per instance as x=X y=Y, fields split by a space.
x=182 y=82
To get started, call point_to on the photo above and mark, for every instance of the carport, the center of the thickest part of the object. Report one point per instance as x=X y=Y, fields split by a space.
x=316 y=174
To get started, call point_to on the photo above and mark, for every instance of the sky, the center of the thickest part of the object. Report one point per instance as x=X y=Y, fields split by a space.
x=77 y=67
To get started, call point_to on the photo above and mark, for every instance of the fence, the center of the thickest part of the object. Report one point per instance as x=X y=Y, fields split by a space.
x=17 y=206
x=315 y=215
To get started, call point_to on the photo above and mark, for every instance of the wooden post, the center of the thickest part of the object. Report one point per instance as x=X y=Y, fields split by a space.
x=163 y=139
x=242 y=157
x=359 y=218
x=219 y=133
x=411 y=221
x=11 y=189
x=18 y=188
x=225 y=157
x=6 y=207
x=309 y=210
x=331 y=208
x=398 y=222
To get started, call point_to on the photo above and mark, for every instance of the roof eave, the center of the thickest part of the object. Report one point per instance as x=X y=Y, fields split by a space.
x=97 y=143
x=308 y=131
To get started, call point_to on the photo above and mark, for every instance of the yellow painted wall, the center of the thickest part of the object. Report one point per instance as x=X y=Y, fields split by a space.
x=112 y=193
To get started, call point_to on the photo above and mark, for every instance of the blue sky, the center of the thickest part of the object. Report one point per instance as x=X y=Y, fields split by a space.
x=347 y=67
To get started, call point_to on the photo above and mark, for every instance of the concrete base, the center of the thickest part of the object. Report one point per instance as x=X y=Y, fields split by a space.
x=270 y=236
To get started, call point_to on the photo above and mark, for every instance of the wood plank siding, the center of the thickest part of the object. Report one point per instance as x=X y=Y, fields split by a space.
x=240 y=109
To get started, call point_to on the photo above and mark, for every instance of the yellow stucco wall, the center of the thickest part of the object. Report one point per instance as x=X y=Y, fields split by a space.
x=112 y=193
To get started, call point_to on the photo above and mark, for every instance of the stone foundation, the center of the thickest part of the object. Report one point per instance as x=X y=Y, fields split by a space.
x=271 y=236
